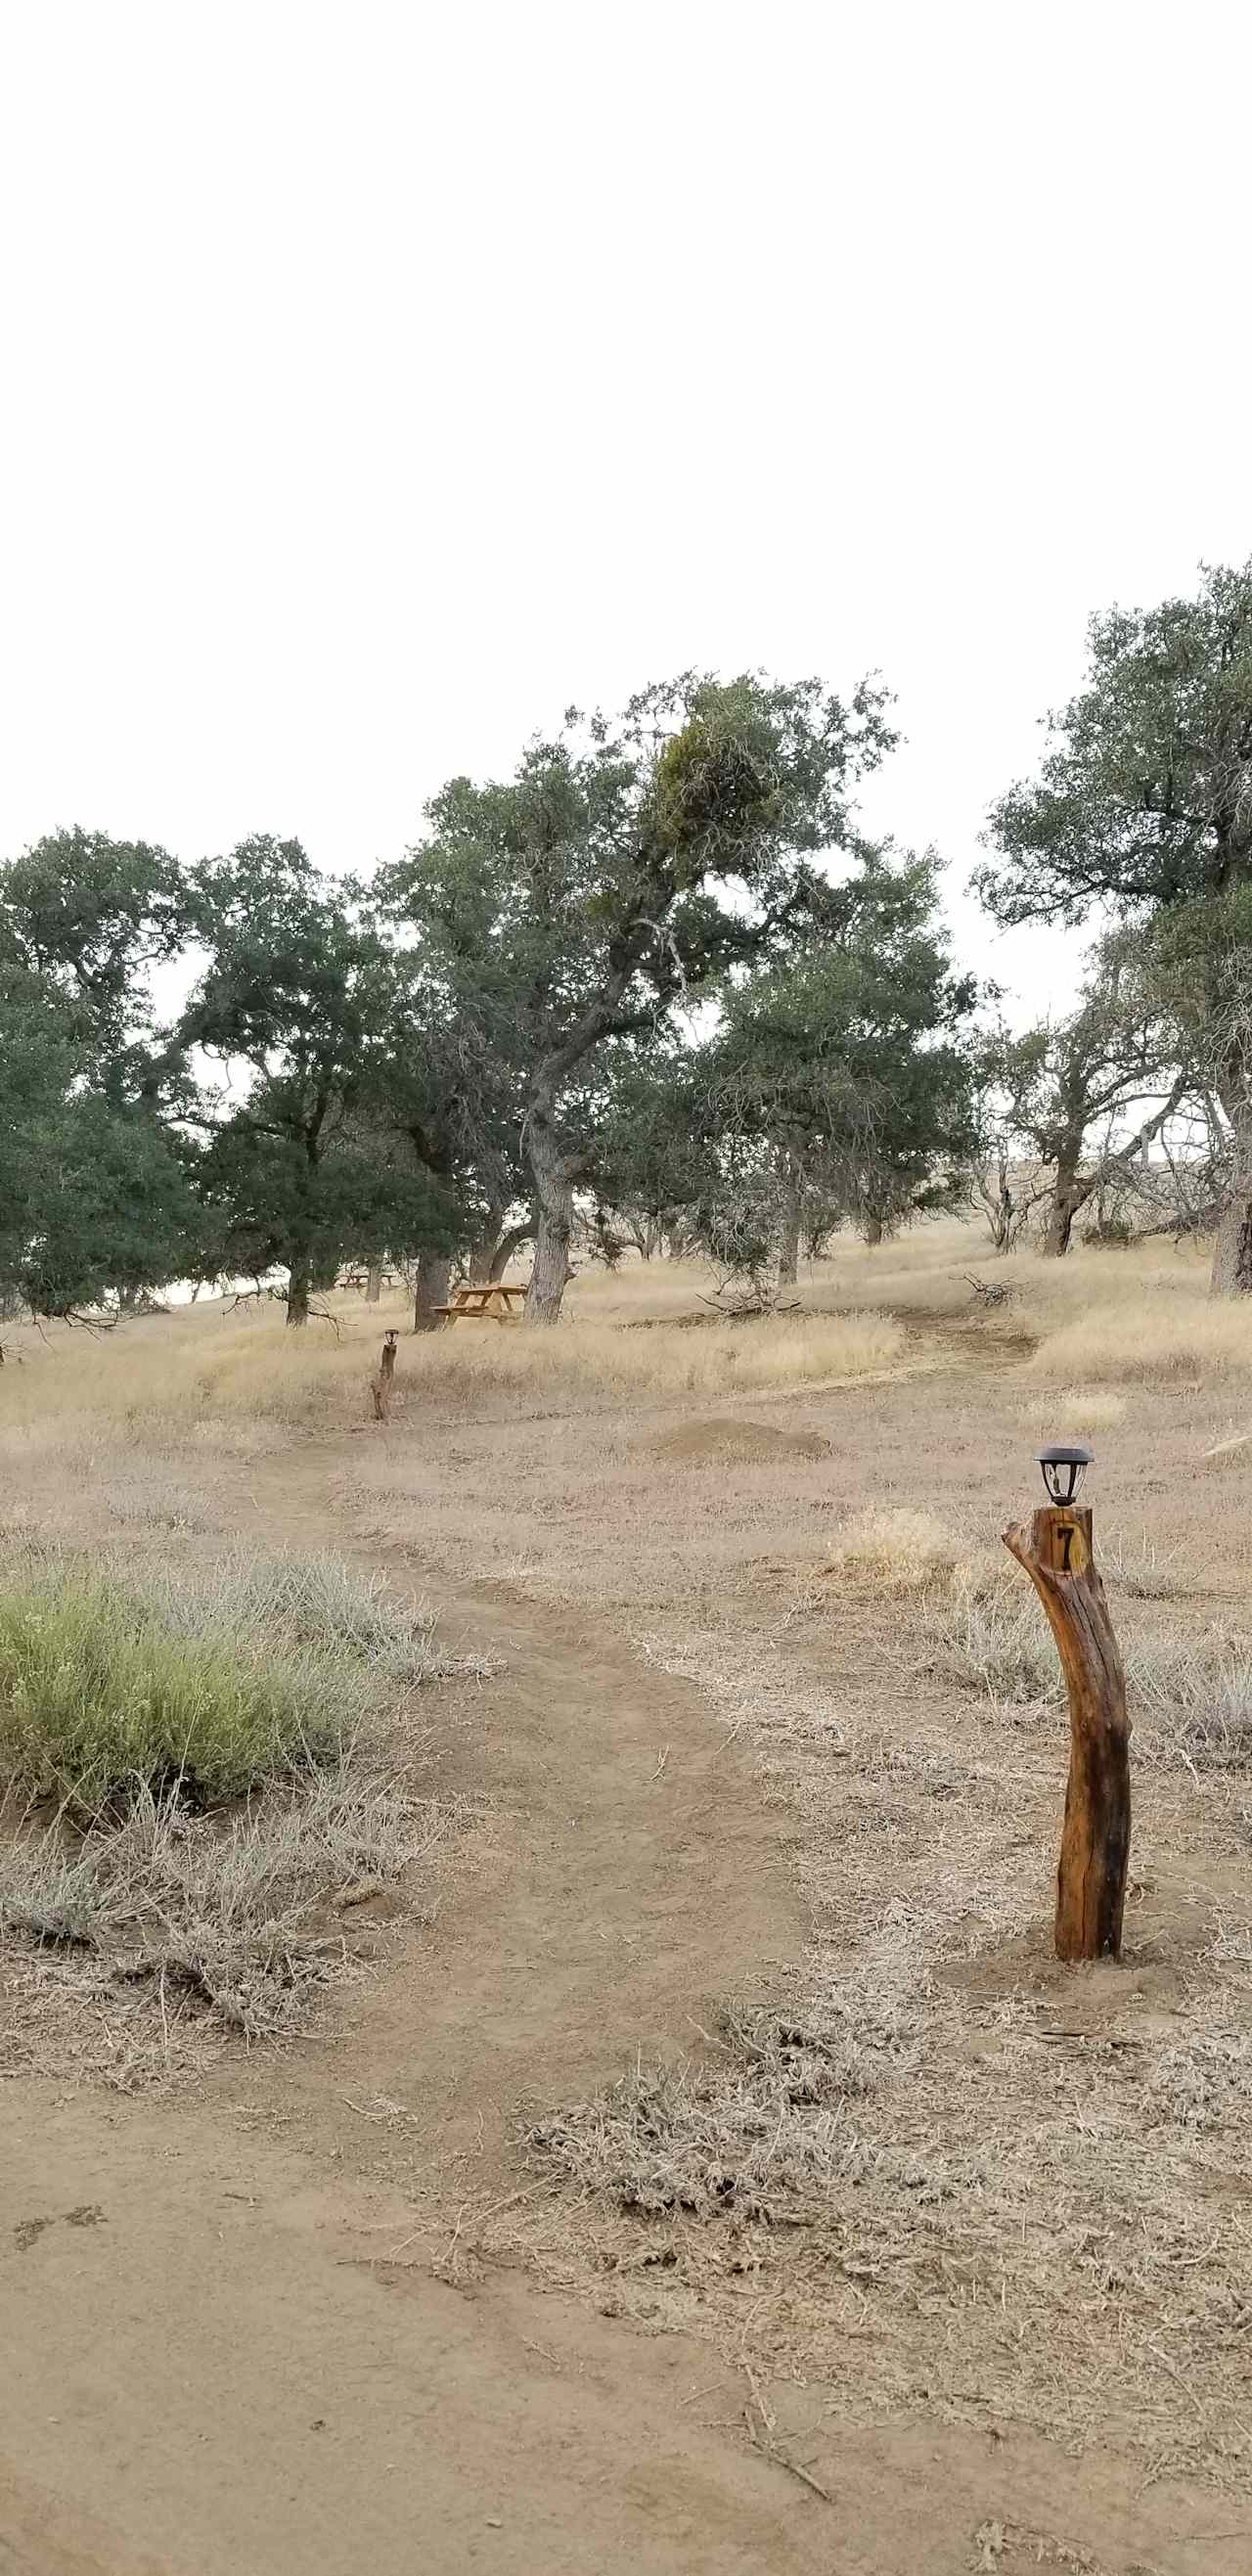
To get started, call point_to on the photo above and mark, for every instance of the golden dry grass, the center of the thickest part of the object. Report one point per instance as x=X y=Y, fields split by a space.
x=1148 y=1340
x=1079 y=1409
x=956 y=2177
x=644 y=1333
x=893 y=1551
x=928 y=2166
x=206 y=1365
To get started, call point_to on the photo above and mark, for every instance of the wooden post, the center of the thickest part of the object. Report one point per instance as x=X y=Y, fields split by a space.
x=1056 y=1552
x=380 y=1383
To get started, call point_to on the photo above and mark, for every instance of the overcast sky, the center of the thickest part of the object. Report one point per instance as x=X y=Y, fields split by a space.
x=380 y=378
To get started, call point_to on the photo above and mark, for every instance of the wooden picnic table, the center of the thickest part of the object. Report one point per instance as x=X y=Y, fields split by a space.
x=492 y=1302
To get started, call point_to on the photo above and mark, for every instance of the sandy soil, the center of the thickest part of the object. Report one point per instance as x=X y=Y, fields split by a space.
x=239 y=2335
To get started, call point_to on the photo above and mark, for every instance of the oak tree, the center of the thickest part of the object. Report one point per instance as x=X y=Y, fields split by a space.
x=616 y=875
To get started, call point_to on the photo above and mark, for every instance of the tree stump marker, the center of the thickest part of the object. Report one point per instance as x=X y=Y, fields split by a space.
x=1056 y=1552
x=380 y=1383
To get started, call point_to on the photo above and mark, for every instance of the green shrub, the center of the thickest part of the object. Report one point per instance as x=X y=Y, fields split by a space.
x=99 y=1698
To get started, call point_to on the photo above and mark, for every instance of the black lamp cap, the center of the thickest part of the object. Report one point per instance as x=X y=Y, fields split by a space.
x=1061 y=1456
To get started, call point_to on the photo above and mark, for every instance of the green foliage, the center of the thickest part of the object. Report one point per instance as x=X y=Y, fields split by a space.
x=301 y=987
x=100 y=1701
x=712 y=787
x=506 y=1029
x=1197 y=967
x=847 y=1059
x=92 y=916
x=652 y=1142
x=113 y=1212
x=1143 y=809
x=95 y=1192
x=619 y=872
x=95 y=1181
x=1144 y=796
x=37 y=1064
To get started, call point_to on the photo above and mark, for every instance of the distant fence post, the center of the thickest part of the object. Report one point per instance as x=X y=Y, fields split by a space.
x=1056 y=1552
x=381 y=1382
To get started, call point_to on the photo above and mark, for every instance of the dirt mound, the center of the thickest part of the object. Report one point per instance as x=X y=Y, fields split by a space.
x=705 y=1444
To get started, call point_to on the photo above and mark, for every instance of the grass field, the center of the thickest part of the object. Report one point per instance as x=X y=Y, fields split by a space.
x=916 y=2161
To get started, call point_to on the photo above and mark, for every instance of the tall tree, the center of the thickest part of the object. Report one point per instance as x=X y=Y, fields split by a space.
x=452 y=1091
x=95 y=917
x=39 y=1061
x=618 y=873
x=652 y=1143
x=300 y=991
x=846 y=1060
x=85 y=922
x=1142 y=808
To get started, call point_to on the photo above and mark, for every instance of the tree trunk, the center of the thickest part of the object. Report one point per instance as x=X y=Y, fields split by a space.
x=434 y=1270
x=1067 y=1197
x=482 y=1253
x=873 y=1232
x=1232 y=1253
x=373 y=1283
x=554 y=1222
x=789 y=1250
x=299 y=1289
x=1231 y=1274
x=508 y=1244
x=1095 y=1843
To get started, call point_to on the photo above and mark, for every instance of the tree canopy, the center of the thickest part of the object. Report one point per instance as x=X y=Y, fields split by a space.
x=1144 y=793
x=617 y=875
x=656 y=978
x=1142 y=812
x=300 y=989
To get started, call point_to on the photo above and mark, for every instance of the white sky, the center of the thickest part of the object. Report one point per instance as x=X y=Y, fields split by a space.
x=380 y=378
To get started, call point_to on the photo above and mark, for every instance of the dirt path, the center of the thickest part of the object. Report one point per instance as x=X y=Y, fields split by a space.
x=628 y=1875
x=225 y=2350
x=225 y=2369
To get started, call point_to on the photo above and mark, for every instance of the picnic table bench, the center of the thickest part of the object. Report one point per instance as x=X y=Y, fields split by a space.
x=492 y=1302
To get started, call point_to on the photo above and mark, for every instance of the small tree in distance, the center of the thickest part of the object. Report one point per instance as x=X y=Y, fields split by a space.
x=1072 y=1087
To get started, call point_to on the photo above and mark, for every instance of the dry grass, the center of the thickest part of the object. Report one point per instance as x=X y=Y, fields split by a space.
x=933 y=2170
x=950 y=2175
x=929 y=2168
x=988 y=1636
x=1190 y=1697
x=213 y=1676
x=1074 y=1410
x=215 y=1367
x=758 y=2136
x=138 y=1925
x=642 y=1334
x=893 y=1551
x=100 y=1697
x=1149 y=1341
x=140 y=1943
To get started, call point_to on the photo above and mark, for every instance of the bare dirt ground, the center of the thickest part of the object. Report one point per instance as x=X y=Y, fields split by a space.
x=321 y=2309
